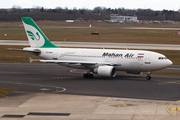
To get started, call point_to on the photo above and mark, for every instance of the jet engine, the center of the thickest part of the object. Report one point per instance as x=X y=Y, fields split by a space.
x=106 y=71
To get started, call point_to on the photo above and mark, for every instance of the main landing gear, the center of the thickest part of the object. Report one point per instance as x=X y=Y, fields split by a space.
x=88 y=75
x=148 y=76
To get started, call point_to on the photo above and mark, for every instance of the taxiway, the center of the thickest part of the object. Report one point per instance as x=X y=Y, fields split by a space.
x=50 y=91
x=99 y=45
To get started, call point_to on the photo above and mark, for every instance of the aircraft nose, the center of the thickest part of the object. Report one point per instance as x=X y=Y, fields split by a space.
x=169 y=62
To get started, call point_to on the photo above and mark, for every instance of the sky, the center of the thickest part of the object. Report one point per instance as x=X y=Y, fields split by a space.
x=91 y=4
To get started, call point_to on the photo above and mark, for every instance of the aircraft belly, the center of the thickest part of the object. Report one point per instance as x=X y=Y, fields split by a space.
x=134 y=66
x=120 y=68
x=46 y=57
x=77 y=66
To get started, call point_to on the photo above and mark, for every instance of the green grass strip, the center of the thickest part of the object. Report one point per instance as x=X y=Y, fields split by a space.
x=4 y=91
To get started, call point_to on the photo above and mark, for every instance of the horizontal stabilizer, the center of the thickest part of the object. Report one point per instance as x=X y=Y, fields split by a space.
x=31 y=60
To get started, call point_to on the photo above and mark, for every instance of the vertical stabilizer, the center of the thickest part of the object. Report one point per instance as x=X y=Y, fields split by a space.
x=36 y=37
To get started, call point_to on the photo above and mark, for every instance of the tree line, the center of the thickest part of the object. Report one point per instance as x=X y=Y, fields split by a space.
x=98 y=13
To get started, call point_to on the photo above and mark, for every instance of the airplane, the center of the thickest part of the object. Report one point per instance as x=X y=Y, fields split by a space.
x=103 y=62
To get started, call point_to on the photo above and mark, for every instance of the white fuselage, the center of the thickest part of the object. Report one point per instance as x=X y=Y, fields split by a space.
x=103 y=62
x=127 y=60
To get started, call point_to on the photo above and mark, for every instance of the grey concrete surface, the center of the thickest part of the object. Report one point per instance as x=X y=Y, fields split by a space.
x=50 y=88
x=87 y=108
x=99 y=45
x=93 y=27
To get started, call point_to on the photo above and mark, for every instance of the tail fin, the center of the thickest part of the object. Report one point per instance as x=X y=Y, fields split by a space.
x=36 y=37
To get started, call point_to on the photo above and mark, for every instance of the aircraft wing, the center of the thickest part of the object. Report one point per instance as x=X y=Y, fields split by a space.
x=84 y=63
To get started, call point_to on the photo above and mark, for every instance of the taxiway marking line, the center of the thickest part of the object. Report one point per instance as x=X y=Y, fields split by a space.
x=169 y=108
x=175 y=109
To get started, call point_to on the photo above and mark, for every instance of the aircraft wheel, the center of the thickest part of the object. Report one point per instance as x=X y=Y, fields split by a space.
x=90 y=76
x=148 y=77
x=85 y=75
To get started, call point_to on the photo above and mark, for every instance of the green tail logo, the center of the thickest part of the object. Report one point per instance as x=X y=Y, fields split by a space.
x=33 y=37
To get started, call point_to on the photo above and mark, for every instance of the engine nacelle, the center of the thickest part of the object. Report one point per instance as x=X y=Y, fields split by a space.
x=107 y=71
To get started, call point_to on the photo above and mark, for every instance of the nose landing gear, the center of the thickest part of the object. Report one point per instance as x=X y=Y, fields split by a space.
x=148 y=76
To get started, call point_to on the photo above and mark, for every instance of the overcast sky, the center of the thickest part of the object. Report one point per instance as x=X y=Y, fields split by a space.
x=90 y=4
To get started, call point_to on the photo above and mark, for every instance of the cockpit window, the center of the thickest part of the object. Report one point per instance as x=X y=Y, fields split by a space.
x=161 y=58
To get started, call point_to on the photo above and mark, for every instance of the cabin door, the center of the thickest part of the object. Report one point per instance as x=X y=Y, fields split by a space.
x=55 y=55
x=148 y=59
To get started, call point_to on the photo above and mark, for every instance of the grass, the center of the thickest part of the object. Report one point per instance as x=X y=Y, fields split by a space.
x=86 y=24
x=4 y=91
x=106 y=35
x=14 y=56
x=173 y=55
x=84 y=35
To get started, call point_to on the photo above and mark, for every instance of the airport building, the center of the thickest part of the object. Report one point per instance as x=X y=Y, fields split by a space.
x=122 y=19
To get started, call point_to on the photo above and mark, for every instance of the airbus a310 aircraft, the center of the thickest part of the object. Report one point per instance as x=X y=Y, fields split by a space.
x=104 y=62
